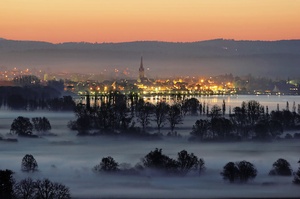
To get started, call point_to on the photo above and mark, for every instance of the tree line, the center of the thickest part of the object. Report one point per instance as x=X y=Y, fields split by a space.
x=155 y=162
x=120 y=115
x=250 y=121
x=28 y=96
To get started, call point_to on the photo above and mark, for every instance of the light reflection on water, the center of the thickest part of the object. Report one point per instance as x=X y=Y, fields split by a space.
x=236 y=100
x=230 y=100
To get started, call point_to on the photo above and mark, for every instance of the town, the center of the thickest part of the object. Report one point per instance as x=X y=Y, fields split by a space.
x=96 y=85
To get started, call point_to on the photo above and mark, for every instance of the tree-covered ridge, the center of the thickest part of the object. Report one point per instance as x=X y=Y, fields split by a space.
x=239 y=56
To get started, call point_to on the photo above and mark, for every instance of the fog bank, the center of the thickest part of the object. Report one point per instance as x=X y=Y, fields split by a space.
x=69 y=159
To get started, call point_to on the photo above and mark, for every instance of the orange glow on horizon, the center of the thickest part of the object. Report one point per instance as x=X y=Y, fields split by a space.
x=131 y=20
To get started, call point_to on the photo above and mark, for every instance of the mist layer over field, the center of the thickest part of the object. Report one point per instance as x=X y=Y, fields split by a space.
x=69 y=159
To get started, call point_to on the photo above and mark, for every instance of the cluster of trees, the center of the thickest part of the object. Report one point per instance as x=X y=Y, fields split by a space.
x=29 y=188
x=18 y=102
x=44 y=189
x=117 y=115
x=65 y=103
x=250 y=121
x=30 y=95
x=156 y=162
x=122 y=113
x=243 y=171
x=23 y=127
x=110 y=116
x=239 y=171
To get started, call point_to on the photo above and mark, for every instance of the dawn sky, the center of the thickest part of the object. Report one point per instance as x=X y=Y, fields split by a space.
x=164 y=20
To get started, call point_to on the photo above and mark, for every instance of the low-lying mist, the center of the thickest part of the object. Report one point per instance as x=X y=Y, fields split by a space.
x=69 y=159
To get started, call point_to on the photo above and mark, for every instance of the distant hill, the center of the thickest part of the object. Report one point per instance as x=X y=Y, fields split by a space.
x=162 y=59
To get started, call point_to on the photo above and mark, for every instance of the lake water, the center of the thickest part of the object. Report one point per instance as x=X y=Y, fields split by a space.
x=236 y=100
x=232 y=100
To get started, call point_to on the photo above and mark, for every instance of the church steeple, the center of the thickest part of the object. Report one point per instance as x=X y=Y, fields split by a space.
x=141 y=70
x=141 y=65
